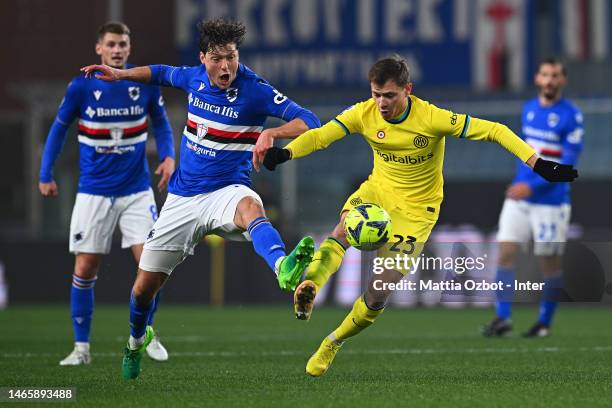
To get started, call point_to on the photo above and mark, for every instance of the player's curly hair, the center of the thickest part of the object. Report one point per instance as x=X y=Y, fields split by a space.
x=219 y=32
x=393 y=67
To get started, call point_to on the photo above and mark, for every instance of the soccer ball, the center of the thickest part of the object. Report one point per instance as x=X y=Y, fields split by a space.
x=367 y=227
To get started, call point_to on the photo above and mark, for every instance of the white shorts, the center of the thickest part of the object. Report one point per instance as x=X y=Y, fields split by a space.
x=95 y=217
x=546 y=225
x=184 y=221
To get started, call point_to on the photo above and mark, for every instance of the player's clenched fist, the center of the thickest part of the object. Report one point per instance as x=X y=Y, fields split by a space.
x=555 y=172
x=48 y=189
x=276 y=156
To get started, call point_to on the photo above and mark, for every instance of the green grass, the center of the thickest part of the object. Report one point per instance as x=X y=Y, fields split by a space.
x=255 y=356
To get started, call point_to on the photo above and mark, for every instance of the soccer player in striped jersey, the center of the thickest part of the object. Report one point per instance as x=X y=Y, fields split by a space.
x=210 y=191
x=407 y=137
x=114 y=183
x=534 y=209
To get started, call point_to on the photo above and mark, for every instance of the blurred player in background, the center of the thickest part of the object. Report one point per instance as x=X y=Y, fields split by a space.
x=210 y=191
x=406 y=135
x=534 y=209
x=114 y=184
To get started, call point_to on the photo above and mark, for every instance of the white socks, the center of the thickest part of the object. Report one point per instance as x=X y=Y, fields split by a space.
x=82 y=346
x=135 y=343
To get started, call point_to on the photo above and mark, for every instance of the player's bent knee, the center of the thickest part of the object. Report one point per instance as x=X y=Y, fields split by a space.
x=141 y=296
x=374 y=302
x=147 y=285
x=87 y=265
x=380 y=287
x=247 y=210
x=338 y=232
x=376 y=295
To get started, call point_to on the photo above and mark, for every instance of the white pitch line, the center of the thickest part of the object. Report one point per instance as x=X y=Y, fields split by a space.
x=355 y=352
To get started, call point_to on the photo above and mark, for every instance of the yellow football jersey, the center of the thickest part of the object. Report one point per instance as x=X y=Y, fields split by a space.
x=408 y=152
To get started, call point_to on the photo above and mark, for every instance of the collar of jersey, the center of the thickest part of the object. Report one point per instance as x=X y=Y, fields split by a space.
x=404 y=115
x=554 y=105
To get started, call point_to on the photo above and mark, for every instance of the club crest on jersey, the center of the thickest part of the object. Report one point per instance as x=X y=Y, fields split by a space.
x=380 y=134
x=356 y=201
x=420 y=141
x=202 y=130
x=116 y=134
x=553 y=119
x=97 y=94
x=134 y=92
x=231 y=94
x=90 y=112
x=530 y=116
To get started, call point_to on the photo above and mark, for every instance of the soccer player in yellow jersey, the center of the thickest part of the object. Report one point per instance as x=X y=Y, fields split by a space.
x=407 y=138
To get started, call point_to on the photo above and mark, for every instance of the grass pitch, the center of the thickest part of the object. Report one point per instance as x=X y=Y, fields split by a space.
x=255 y=357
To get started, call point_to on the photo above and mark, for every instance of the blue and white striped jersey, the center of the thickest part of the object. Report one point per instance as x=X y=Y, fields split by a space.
x=222 y=126
x=112 y=133
x=555 y=132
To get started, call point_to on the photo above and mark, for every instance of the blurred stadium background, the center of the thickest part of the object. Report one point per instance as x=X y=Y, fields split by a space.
x=473 y=56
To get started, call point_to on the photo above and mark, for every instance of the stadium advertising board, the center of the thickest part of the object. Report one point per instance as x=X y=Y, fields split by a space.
x=485 y=43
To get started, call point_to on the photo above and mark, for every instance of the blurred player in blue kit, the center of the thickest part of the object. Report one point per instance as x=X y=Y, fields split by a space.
x=210 y=191
x=114 y=183
x=534 y=209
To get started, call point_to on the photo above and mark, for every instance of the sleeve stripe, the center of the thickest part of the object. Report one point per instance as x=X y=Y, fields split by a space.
x=465 y=127
x=171 y=75
x=342 y=126
x=285 y=111
x=61 y=122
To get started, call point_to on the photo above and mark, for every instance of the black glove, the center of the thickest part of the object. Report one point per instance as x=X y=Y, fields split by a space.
x=555 y=172
x=275 y=156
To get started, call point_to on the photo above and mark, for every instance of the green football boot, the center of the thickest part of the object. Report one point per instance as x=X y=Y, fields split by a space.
x=131 y=358
x=290 y=269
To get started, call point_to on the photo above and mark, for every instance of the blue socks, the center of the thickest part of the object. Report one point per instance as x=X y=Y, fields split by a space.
x=81 y=307
x=154 y=309
x=139 y=317
x=548 y=304
x=503 y=305
x=550 y=299
x=266 y=240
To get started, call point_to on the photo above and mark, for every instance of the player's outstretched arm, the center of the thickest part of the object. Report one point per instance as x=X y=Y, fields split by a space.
x=480 y=129
x=289 y=130
x=303 y=145
x=110 y=74
x=549 y=170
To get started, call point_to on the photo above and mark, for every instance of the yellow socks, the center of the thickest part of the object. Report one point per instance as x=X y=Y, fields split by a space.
x=360 y=317
x=326 y=262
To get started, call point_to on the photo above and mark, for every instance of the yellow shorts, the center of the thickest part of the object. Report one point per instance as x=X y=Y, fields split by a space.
x=410 y=231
